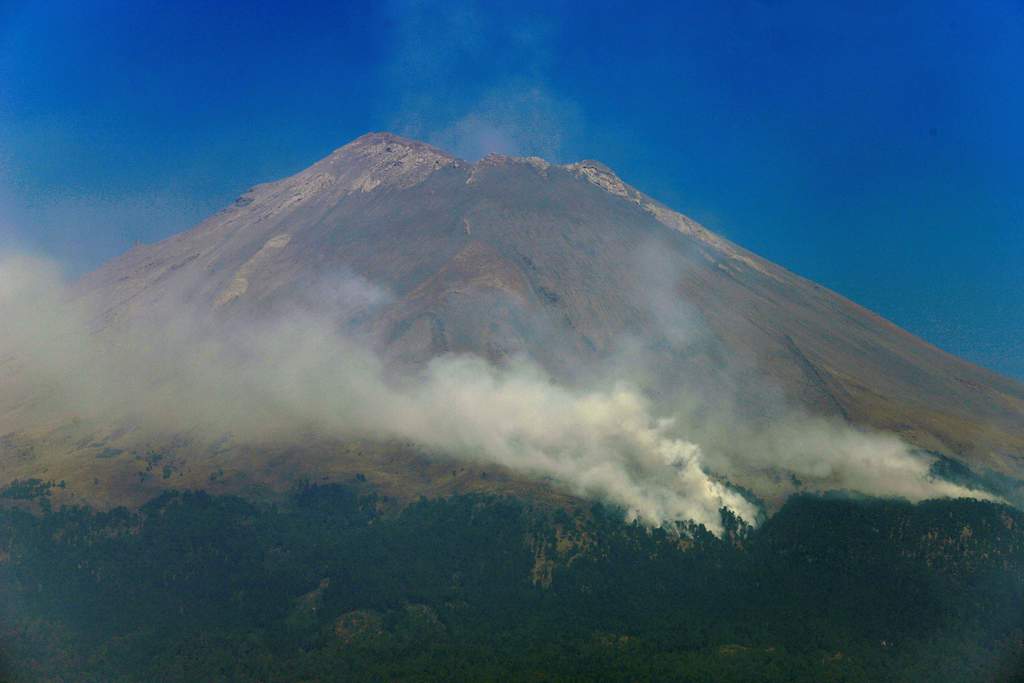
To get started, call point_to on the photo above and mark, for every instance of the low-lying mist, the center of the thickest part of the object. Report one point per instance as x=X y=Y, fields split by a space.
x=608 y=439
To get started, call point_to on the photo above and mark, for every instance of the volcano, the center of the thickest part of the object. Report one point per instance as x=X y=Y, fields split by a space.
x=571 y=267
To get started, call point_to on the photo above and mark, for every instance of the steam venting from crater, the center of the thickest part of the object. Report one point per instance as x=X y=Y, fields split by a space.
x=296 y=372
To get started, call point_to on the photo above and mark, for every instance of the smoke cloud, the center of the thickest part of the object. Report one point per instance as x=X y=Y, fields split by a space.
x=511 y=108
x=172 y=370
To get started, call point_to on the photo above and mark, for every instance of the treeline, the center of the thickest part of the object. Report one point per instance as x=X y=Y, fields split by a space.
x=334 y=585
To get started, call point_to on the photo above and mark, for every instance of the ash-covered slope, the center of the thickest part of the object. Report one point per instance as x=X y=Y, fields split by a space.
x=573 y=267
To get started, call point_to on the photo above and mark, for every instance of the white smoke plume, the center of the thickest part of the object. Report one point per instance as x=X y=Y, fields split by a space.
x=299 y=372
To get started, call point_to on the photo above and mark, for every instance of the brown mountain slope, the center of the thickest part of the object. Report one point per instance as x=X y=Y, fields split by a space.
x=418 y=254
x=511 y=254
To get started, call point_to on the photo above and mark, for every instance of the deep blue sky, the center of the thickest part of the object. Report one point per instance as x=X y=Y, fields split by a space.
x=876 y=150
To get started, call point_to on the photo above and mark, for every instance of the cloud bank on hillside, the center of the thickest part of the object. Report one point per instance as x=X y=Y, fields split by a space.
x=169 y=370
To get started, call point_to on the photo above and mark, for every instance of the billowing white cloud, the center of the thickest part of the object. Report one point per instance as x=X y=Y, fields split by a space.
x=296 y=372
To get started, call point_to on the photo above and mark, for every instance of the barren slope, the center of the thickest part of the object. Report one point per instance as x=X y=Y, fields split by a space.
x=571 y=266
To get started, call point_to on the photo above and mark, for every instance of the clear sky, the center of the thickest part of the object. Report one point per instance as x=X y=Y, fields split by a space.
x=876 y=149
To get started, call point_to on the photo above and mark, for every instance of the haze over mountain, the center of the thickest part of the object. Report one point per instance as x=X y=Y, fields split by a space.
x=356 y=300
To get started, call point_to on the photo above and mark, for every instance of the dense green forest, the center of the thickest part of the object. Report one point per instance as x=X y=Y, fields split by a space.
x=336 y=584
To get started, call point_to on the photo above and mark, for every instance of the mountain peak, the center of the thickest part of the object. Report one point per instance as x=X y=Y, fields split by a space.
x=374 y=160
x=424 y=255
x=383 y=140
